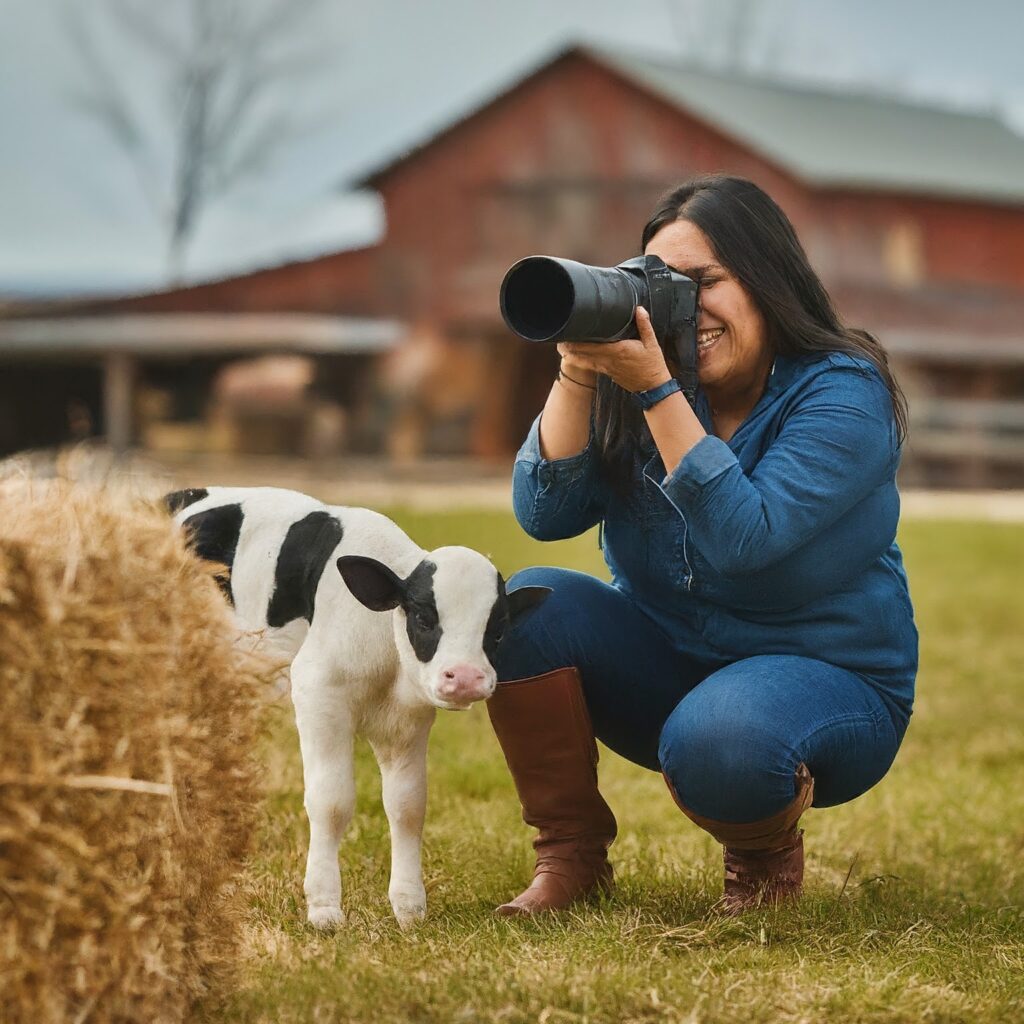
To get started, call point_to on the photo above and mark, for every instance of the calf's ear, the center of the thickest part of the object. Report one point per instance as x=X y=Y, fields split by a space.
x=525 y=599
x=371 y=582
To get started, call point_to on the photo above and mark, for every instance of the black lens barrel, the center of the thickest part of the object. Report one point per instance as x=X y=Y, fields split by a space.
x=544 y=298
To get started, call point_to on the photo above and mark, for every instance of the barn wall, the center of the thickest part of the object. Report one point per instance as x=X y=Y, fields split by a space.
x=570 y=163
x=908 y=242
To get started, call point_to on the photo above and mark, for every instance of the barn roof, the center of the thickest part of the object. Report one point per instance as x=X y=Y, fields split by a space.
x=825 y=137
x=179 y=334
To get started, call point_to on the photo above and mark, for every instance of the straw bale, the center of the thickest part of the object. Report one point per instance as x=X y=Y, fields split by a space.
x=128 y=783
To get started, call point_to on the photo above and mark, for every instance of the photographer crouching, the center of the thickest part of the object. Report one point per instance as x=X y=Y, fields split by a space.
x=756 y=644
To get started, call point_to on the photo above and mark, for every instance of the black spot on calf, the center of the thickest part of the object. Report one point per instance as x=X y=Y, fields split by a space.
x=497 y=622
x=213 y=535
x=422 y=622
x=507 y=610
x=177 y=500
x=300 y=564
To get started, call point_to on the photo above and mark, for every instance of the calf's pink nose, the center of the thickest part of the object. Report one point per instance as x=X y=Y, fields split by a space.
x=463 y=683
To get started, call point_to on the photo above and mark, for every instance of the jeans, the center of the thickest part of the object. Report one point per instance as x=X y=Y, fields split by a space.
x=728 y=735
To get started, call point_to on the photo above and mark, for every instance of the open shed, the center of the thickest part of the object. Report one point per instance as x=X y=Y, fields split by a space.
x=69 y=377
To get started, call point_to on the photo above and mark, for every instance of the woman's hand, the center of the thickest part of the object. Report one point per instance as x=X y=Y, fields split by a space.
x=635 y=364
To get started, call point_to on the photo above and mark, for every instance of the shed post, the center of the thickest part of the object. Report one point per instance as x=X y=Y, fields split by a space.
x=118 y=380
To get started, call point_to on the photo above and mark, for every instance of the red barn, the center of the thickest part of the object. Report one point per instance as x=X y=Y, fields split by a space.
x=914 y=217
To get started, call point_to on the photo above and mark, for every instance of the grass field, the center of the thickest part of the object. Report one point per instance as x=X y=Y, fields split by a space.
x=914 y=905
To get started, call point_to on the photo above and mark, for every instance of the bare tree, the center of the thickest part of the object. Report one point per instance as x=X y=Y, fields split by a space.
x=731 y=35
x=224 y=111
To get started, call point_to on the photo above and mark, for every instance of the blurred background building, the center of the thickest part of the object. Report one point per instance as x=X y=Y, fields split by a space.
x=913 y=214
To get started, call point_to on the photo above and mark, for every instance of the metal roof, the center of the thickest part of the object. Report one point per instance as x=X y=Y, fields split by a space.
x=177 y=334
x=824 y=137
x=841 y=139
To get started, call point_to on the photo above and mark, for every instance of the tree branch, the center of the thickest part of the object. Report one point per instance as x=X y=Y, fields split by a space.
x=219 y=74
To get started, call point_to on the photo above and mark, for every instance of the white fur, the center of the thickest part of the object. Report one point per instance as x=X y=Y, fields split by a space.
x=354 y=672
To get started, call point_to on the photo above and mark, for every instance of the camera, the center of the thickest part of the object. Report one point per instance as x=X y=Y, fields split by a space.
x=547 y=299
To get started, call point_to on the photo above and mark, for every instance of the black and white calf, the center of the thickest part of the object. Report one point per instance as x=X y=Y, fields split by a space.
x=316 y=579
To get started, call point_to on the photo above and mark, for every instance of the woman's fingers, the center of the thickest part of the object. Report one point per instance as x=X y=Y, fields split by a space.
x=633 y=363
x=582 y=349
x=583 y=354
x=645 y=329
x=641 y=361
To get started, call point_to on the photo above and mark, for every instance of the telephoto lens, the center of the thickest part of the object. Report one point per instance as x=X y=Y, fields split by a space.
x=547 y=299
x=544 y=298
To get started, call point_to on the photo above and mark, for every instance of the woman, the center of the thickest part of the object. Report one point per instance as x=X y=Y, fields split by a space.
x=757 y=643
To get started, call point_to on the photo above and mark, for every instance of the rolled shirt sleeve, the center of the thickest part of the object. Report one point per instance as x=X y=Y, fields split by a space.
x=556 y=498
x=837 y=444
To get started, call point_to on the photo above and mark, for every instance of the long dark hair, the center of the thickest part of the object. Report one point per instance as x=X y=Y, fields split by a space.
x=754 y=240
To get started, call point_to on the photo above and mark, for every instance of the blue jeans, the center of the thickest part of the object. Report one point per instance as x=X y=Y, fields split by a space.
x=729 y=736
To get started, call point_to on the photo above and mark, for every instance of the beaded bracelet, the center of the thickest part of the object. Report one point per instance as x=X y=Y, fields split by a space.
x=562 y=373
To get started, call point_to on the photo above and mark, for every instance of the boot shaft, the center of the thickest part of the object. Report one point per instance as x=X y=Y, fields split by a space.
x=545 y=733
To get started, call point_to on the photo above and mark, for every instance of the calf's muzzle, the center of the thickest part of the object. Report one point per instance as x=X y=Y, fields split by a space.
x=463 y=684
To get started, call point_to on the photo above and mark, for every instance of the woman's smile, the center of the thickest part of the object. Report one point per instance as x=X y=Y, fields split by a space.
x=706 y=340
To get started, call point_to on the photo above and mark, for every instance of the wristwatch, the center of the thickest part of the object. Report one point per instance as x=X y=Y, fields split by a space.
x=652 y=396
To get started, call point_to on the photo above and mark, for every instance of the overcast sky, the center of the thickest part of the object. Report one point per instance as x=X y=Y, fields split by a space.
x=73 y=215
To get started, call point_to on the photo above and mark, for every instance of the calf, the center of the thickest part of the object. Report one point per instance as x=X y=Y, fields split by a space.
x=379 y=633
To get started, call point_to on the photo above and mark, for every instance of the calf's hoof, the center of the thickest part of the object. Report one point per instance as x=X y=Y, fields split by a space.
x=326 y=919
x=409 y=909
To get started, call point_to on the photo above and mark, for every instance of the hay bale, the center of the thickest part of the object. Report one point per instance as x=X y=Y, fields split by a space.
x=128 y=784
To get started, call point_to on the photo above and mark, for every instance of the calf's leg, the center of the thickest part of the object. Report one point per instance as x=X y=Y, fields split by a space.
x=403 y=772
x=325 y=738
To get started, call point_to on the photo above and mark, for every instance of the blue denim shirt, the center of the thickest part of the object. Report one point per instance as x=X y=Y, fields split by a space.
x=778 y=541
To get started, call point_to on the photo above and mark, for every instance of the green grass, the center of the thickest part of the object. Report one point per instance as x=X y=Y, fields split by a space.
x=913 y=906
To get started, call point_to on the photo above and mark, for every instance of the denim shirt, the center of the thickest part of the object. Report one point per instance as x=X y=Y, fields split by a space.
x=780 y=540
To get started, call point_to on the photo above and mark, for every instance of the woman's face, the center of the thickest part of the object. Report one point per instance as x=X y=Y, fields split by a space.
x=732 y=343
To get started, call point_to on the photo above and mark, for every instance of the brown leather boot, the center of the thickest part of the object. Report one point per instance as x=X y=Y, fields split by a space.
x=764 y=860
x=759 y=878
x=544 y=730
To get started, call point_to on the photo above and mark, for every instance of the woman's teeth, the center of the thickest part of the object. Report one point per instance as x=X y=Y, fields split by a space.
x=705 y=339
